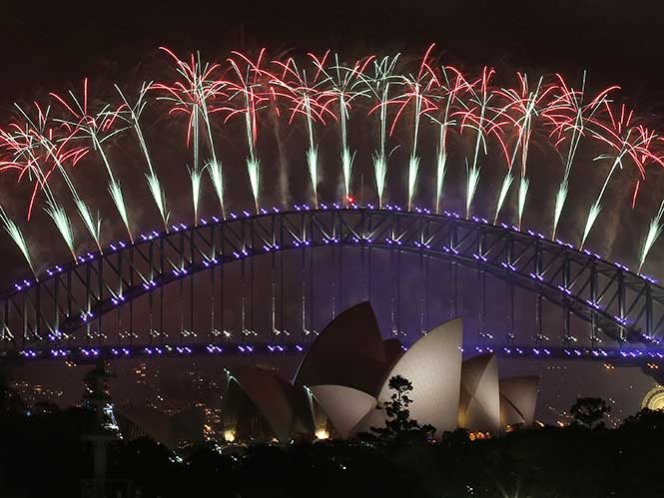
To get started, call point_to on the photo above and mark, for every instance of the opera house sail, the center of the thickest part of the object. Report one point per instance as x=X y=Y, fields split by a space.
x=342 y=384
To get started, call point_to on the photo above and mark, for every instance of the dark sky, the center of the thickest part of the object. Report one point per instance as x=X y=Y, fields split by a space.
x=616 y=40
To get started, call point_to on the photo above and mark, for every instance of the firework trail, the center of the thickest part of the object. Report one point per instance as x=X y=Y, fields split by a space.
x=10 y=226
x=304 y=99
x=569 y=115
x=36 y=133
x=418 y=94
x=384 y=75
x=249 y=86
x=132 y=115
x=508 y=119
x=448 y=93
x=26 y=152
x=626 y=141
x=476 y=118
x=522 y=108
x=97 y=128
x=192 y=97
x=17 y=236
x=654 y=231
x=343 y=84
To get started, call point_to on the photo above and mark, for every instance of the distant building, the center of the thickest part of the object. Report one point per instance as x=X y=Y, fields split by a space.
x=342 y=383
x=654 y=399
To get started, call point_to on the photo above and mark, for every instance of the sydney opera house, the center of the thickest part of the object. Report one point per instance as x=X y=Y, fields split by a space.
x=342 y=382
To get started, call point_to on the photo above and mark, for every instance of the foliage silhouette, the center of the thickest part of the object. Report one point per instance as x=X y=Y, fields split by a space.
x=589 y=412
x=400 y=428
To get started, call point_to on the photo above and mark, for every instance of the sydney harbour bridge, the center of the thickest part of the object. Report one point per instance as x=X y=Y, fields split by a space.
x=163 y=295
x=267 y=281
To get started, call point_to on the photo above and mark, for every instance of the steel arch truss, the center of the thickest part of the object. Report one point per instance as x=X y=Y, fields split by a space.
x=615 y=302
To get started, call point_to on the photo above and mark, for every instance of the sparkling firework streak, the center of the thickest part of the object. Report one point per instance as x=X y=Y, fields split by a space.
x=625 y=140
x=249 y=86
x=17 y=236
x=654 y=231
x=418 y=94
x=132 y=115
x=303 y=98
x=449 y=94
x=98 y=128
x=343 y=84
x=503 y=121
x=384 y=75
x=192 y=97
x=60 y=155
x=568 y=114
x=476 y=118
x=28 y=152
x=522 y=108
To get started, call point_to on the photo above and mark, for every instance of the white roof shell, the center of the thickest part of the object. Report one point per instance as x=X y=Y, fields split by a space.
x=433 y=365
x=479 y=406
x=518 y=400
x=345 y=407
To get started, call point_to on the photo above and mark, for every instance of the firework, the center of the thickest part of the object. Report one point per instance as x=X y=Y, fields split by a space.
x=97 y=128
x=344 y=85
x=505 y=122
x=195 y=178
x=384 y=75
x=31 y=149
x=624 y=139
x=654 y=231
x=476 y=118
x=17 y=236
x=523 y=106
x=569 y=114
x=417 y=93
x=192 y=96
x=249 y=86
x=449 y=94
x=60 y=154
x=132 y=114
x=304 y=100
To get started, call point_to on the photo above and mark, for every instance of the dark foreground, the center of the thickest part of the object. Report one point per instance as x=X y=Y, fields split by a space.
x=46 y=455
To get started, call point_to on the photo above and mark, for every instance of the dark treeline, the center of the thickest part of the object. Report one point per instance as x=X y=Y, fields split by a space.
x=46 y=452
x=44 y=455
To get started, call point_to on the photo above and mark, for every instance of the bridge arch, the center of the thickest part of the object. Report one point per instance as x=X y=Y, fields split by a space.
x=617 y=303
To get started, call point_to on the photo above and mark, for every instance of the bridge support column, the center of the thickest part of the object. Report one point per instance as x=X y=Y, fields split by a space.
x=539 y=337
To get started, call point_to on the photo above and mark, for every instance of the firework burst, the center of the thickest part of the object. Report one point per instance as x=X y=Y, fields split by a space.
x=568 y=115
x=249 y=86
x=43 y=152
x=97 y=128
x=304 y=99
x=379 y=83
x=194 y=96
x=343 y=84
x=132 y=115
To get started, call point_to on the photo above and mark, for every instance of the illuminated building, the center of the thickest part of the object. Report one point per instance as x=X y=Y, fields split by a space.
x=343 y=381
x=654 y=399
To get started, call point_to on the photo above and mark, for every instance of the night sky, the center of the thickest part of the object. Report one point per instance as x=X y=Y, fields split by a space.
x=618 y=41
x=51 y=47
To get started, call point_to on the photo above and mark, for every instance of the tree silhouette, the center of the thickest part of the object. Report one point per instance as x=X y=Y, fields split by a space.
x=589 y=412
x=10 y=400
x=646 y=420
x=399 y=426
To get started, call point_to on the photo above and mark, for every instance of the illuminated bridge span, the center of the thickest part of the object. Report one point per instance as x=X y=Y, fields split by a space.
x=175 y=293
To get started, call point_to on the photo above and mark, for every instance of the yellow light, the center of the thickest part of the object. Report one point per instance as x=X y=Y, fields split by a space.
x=229 y=436
x=322 y=434
x=654 y=399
